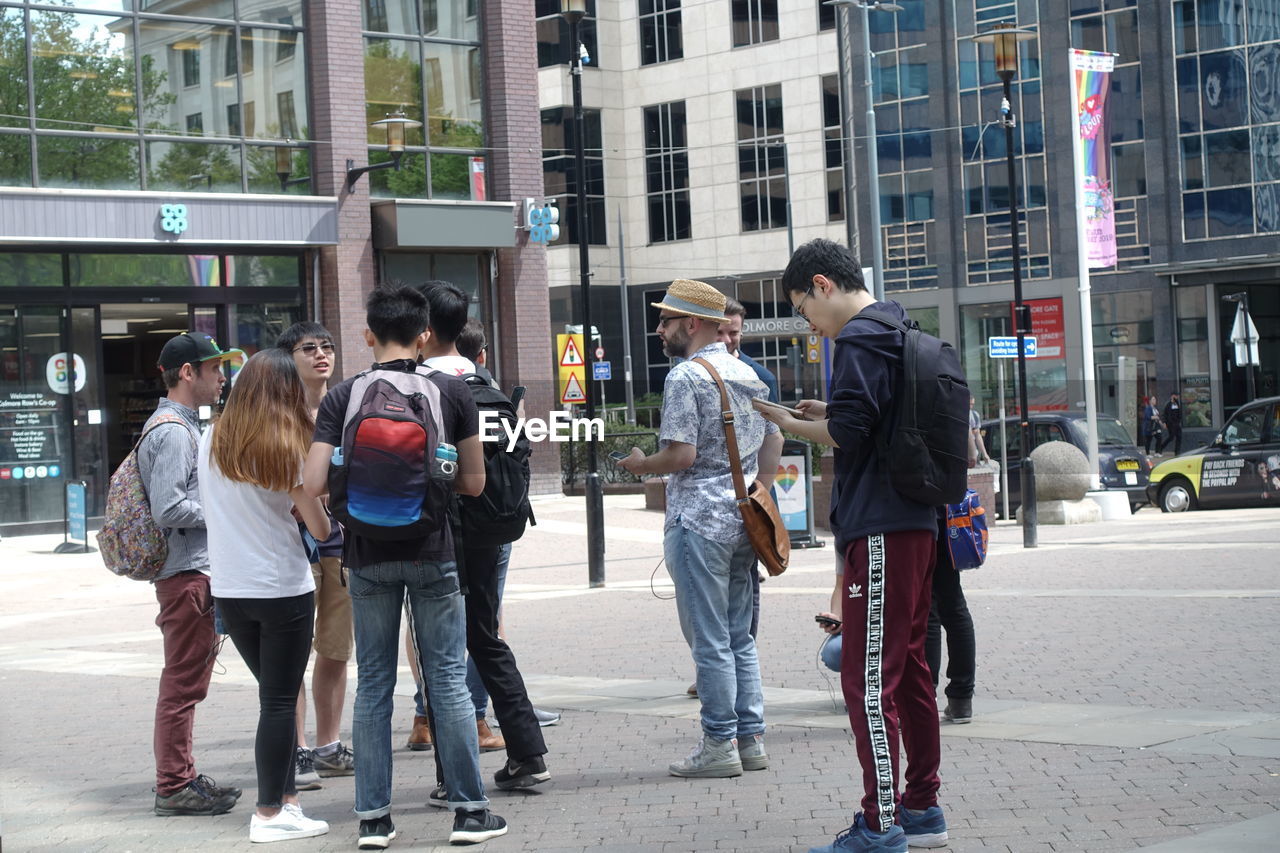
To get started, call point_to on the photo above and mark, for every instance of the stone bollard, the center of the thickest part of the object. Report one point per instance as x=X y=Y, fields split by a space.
x=1062 y=479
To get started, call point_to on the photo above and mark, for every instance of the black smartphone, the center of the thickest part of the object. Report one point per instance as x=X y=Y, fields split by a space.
x=827 y=621
x=517 y=394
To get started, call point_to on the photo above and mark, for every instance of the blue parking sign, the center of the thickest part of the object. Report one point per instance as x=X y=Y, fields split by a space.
x=602 y=370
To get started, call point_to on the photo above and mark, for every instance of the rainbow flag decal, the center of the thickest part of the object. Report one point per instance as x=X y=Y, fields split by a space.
x=204 y=270
x=1090 y=83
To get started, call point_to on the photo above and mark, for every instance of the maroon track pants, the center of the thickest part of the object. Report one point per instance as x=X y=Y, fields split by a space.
x=887 y=687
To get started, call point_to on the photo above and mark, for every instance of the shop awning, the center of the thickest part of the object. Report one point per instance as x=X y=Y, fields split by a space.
x=413 y=223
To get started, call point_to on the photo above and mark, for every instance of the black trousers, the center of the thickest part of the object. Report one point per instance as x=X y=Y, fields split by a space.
x=1174 y=436
x=495 y=661
x=273 y=635
x=950 y=611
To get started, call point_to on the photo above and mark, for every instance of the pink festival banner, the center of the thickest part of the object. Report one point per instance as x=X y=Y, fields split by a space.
x=1090 y=83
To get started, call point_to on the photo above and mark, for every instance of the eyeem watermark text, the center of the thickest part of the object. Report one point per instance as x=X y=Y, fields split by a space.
x=559 y=426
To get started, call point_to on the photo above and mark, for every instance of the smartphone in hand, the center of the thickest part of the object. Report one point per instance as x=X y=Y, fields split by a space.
x=517 y=394
x=827 y=621
x=617 y=456
x=795 y=413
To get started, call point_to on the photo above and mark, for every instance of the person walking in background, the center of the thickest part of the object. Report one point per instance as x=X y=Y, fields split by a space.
x=191 y=366
x=1150 y=425
x=889 y=543
x=706 y=546
x=1172 y=417
x=311 y=347
x=251 y=479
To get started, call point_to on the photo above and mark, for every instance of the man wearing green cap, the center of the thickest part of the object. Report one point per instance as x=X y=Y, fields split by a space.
x=191 y=365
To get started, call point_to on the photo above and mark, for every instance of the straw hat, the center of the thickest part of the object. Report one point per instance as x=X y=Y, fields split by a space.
x=694 y=299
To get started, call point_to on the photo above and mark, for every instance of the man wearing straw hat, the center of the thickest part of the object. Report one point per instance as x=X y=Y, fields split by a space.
x=706 y=547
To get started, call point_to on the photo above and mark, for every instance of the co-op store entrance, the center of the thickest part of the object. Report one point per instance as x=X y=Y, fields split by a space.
x=53 y=429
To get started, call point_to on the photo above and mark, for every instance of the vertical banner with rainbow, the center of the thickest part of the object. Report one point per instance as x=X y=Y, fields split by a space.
x=1090 y=83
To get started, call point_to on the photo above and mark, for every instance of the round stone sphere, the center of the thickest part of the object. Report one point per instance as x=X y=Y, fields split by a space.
x=1062 y=472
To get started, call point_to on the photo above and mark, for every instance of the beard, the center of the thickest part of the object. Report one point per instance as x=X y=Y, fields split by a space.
x=676 y=345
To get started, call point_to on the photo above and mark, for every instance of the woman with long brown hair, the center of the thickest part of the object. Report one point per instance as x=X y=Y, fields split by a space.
x=250 y=470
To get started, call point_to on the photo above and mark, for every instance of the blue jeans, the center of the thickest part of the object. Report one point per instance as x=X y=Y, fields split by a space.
x=713 y=597
x=377 y=594
x=831 y=649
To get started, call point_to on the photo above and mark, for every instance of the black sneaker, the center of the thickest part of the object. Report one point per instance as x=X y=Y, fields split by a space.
x=439 y=797
x=474 y=827
x=958 y=711
x=377 y=833
x=522 y=774
x=213 y=788
x=195 y=799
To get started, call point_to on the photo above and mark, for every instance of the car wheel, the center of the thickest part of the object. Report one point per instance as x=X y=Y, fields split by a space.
x=1177 y=496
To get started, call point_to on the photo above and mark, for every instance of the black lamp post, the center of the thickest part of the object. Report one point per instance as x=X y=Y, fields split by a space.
x=1243 y=299
x=395 y=124
x=573 y=12
x=1004 y=38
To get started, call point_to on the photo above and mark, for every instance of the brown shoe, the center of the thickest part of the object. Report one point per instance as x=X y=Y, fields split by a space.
x=489 y=742
x=420 y=738
x=693 y=690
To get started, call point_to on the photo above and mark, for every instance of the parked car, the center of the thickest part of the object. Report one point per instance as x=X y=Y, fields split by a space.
x=1121 y=465
x=1239 y=468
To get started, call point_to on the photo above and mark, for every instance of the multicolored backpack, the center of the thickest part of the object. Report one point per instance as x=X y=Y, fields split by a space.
x=967 y=532
x=133 y=545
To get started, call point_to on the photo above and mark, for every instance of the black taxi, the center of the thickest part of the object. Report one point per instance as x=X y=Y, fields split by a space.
x=1239 y=468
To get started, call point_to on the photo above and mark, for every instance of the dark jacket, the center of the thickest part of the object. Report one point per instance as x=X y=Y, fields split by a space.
x=1173 y=415
x=865 y=365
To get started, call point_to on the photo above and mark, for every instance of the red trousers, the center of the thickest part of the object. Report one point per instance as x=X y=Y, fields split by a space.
x=887 y=687
x=186 y=621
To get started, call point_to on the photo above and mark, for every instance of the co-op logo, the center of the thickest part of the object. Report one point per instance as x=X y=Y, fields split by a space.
x=173 y=218
x=558 y=427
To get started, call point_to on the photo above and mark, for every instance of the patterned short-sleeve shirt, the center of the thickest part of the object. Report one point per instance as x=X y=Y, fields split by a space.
x=701 y=497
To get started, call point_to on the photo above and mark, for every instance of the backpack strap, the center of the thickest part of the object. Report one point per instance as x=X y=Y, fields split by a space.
x=159 y=422
x=730 y=434
x=910 y=354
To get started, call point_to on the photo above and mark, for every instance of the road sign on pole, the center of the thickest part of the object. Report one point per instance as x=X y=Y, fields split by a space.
x=571 y=391
x=602 y=370
x=571 y=368
x=1008 y=347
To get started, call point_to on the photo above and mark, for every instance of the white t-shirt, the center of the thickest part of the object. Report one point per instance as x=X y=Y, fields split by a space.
x=454 y=365
x=255 y=547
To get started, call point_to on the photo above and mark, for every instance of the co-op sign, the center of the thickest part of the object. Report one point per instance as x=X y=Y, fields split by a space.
x=775 y=326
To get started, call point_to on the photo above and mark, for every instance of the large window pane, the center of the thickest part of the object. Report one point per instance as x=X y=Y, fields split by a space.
x=108 y=270
x=263 y=270
x=1266 y=153
x=452 y=19
x=1227 y=158
x=15 y=160
x=392 y=82
x=186 y=84
x=1230 y=212
x=280 y=71
x=454 y=115
x=1223 y=90
x=193 y=166
x=391 y=16
x=26 y=269
x=88 y=162
x=256 y=327
x=13 y=69
x=84 y=74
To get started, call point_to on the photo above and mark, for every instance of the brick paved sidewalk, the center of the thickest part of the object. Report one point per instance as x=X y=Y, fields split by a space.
x=1126 y=698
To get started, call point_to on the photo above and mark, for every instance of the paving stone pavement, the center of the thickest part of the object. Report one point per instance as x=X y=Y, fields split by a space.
x=1126 y=699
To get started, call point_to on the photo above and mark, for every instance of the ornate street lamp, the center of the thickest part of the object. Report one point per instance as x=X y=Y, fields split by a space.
x=1004 y=38
x=395 y=125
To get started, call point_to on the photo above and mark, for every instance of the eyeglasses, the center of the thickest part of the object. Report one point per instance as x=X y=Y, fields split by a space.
x=310 y=349
x=663 y=321
x=799 y=309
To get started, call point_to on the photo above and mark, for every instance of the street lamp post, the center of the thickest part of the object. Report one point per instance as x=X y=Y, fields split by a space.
x=1004 y=38
x=873 y=162
x=1243 y=299
x=573 y=11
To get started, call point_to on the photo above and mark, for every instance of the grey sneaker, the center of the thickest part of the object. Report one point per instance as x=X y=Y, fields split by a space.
x=713 y=759
x=341 y=762
x=304 y=771
x=751 y=751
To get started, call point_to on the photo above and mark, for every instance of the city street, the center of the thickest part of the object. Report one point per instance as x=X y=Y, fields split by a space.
x=1127 y=698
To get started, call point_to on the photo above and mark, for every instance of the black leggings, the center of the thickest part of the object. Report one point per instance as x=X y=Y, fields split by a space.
x=273 y=635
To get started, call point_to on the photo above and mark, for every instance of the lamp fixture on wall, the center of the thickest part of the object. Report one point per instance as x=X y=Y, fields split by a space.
x=395 y=124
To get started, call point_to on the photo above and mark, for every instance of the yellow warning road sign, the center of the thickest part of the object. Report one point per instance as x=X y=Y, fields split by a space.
x=571 y=391
x=572 y=369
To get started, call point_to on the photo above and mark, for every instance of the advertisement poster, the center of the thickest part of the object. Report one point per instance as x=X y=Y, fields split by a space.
x=29 y=446
x=1197 y=406
x=791 y=489
x=1090 y=83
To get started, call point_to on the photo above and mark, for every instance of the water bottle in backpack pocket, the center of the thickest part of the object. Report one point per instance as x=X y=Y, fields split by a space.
x=967 y=532
x=389 y=479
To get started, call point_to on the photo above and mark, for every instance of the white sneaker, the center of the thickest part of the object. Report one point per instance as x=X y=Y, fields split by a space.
x=288 y=824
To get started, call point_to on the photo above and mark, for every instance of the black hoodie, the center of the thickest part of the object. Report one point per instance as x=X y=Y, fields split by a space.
x=866 y=362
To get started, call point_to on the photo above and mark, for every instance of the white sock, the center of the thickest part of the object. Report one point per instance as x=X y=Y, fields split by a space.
x=328 y=748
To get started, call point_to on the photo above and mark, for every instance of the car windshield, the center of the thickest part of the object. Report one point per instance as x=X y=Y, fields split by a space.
x=1110 y=431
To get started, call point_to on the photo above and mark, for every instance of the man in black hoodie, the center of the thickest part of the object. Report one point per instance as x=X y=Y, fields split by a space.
x=888 y=547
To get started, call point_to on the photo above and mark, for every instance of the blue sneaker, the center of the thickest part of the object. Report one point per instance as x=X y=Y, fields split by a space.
x=923 y=828
x=859 y=839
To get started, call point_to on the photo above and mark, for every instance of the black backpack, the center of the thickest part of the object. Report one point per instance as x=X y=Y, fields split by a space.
x=390 y=479
x=924 y=443
x=499 y=514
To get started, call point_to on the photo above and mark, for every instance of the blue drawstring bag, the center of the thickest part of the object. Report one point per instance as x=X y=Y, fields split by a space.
x=967 y=532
